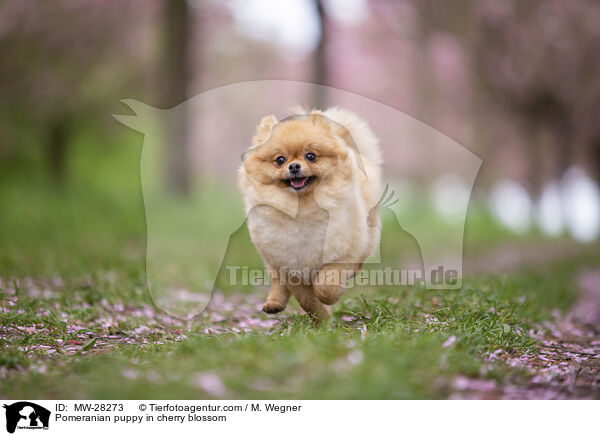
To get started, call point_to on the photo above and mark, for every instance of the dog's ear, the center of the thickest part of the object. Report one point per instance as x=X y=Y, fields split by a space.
x=344 y=135
x=263 y=130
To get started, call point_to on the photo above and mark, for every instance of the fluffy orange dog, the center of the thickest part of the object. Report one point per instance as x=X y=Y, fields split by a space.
x=310 y=184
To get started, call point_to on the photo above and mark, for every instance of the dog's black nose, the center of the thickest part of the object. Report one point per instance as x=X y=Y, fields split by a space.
x=294 y=167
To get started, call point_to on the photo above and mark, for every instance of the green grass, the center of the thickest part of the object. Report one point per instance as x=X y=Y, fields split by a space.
x=384 y=344
x=72 y=269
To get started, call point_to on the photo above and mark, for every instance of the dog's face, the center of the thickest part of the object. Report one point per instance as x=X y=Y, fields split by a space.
x=298 y=154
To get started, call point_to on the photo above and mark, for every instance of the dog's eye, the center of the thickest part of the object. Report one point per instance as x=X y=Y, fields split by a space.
x=280 y=160
x=310 y=157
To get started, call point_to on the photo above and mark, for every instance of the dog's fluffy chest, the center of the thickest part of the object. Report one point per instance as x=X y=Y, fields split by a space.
x=287 y=242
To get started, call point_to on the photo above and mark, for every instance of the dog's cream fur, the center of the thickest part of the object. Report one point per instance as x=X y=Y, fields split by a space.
x=329 y=227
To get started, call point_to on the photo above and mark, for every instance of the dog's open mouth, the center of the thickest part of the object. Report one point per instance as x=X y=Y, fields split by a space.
x=299 y=183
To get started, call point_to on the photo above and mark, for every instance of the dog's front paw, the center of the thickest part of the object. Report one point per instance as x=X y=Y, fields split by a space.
x=328 y=293
x=273 y=307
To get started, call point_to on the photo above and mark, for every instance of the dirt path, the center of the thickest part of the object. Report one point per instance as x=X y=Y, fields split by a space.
x=568 y=364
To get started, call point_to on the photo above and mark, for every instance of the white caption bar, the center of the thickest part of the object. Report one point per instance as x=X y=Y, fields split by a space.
x=297 y=417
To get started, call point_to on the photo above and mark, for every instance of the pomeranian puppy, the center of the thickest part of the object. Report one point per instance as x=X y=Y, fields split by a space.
x=310 y=185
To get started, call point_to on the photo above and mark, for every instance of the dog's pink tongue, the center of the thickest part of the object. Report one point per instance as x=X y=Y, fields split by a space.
x=298 y=182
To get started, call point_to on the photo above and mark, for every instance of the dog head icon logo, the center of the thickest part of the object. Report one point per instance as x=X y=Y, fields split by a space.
x=26 y=415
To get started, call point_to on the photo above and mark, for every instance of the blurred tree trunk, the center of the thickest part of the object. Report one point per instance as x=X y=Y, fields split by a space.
x=594 y=152
x=320 y=73
x=57 y=149
x=177 y=34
